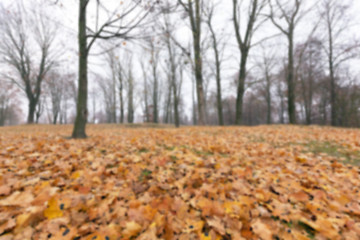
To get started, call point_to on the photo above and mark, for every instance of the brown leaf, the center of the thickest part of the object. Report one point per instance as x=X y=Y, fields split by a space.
x=262 y=230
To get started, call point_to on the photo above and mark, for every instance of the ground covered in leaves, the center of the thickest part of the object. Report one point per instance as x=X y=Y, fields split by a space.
x=267 y=182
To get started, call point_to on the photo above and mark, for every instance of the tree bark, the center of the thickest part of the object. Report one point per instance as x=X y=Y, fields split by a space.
x=130 y=116
x=268 y=97
x=121 y=96
x=241 y=86
x=31 y=112
x=146 y=102
x=292 y=21
x=194 y=116
x=219 y=97
x=114 y=99
x=55 y=117
x=218 y=74
x=172 y=77
x=168 y=102
x=195 y=22
x=244 y=45
x=81 y=111
x=155 y=95
x=332 y=78
x=176 y=106
x=290 y=79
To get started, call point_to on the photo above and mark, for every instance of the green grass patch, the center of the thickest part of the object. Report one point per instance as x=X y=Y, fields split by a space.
x=308 y=229
x=334 y=150
x=203 y=153
x=257 y=139
x=143 y=150
x=145 y=174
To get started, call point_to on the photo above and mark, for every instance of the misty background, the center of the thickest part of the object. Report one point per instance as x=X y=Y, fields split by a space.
x=131 y=78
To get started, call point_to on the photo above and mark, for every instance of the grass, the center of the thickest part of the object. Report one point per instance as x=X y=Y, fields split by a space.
x=334 y=150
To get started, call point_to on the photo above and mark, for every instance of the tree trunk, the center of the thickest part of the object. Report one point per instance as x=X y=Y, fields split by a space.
x=130 y=117
x=194 y=117
x=199 y=85
x=282 y=104
x=2 y=114
x=146 y=100
x=173 y=82
x=81 y=111
x=113 y=109
x=218 y=75
x=310 y=107
x=218 y=96
x=94 y=109
x=333 y=97
x=155 y=96
x=168 y=104
x=55 y=119
x=218 y=84
x=241 y=86
x=305 y=100
x=31 y=111
x=176 y=107
x=268 y=99
x=332 y=81
x=195 y=21
x=290 y=81
x=2 y=119
x=121 y=97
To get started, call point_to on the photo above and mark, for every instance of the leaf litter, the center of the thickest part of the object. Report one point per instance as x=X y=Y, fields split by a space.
x=188 y=183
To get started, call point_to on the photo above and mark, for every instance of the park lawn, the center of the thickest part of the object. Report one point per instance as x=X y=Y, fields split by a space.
x=146 y=182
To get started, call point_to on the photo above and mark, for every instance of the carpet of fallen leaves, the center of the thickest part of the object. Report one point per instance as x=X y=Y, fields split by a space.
x=188 y=183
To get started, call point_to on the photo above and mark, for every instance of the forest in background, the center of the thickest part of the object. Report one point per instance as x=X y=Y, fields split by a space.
x=181 y=62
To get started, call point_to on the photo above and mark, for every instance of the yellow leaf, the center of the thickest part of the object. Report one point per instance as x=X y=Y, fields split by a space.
x=53 y=210
x=301 y=159
x=204 y=236
x=76 y=175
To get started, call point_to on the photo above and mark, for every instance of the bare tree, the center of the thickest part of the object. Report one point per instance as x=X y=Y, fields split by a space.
x=107 y=86
x=121 y=21
x=218 y=62
x=130 y=95
x=23 y=32
x=244 y=41
x=40 y=108
x=174 y=66
x=291 y=15
x=194 y=11
x=55 y=85
x=154 y=62
x=281 y=92
x=266 y=64
x=112 y=79
x=168 y=100
x=309 y=72
x=147 y=114
x=4 y=104
x=8 y=104
x=121 y=77
x=337 y=49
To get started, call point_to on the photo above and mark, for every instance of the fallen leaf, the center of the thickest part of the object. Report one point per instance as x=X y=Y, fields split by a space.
x=53 y=210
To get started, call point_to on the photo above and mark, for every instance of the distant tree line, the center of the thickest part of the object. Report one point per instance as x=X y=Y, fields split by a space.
x=286 y=75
